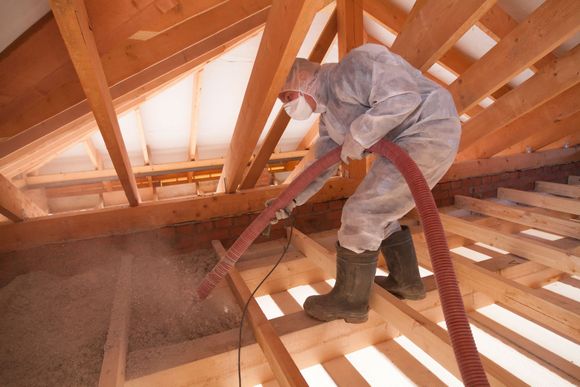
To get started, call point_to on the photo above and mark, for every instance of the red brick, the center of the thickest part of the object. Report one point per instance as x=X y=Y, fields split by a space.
x=203 y=227
x=456 y=184
x=486 y=180
x=444 y=186
x=241 y=220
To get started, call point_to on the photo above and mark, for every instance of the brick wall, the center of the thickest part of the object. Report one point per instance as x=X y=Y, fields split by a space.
x=486 y=186
x=325 y=216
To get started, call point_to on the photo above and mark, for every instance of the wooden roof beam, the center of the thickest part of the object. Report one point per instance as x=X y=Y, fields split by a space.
x=282 y=119
x=351 y=34
x=197 y=84
x=72 y=19
x=434 y=29
x=142 y=138
x=14 y=204
x=544 y=30
x=543 y=125
x=90 y=224
x=285 y=30
x=455 y=61
x=483 y=136
x=497 y=24
x=131 y=68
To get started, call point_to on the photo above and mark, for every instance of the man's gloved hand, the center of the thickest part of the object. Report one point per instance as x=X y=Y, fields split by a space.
x=282 y=213
x=351 y=149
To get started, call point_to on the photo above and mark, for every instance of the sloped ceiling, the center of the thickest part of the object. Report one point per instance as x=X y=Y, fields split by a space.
x=167 y=116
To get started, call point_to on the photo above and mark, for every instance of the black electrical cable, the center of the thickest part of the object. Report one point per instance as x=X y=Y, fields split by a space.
x=252 y=296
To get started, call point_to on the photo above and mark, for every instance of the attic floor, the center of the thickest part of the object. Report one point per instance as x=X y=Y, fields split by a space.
x=62 y=304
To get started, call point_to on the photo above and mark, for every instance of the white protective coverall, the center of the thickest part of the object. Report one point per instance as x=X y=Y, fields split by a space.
x=373 y=94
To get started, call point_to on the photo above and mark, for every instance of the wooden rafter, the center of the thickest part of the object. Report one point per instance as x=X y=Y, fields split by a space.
x=14 y=204
x=435 y=27
x=113 y=23
x=544 y=30
x=73 y=22
x=309 y=137
x=550 y=122
x=572 y=140
x=566 y=190
x=480 y=136
x=497 y=24
x=393 y=18
x=94 y=154
x=349 y=16
x=197 y=80
x=282 y=119
x=142 y=138
x=149 y=64
x=284 y=33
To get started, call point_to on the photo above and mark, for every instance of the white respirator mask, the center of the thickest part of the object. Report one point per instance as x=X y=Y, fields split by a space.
x=298 y=109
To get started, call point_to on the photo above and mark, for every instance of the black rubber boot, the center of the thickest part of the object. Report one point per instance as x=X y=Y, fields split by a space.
x=349 y=299
x=404 y=280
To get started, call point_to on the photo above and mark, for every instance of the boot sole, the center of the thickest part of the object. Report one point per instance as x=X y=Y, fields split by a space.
x=351 y=319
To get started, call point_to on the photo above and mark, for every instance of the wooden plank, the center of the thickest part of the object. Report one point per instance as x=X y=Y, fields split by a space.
x=149 y=216
x=393 y=18
x=212 y=360
x=432 y=339
x=496 y=165
x=286 y=302
x=548 y=123
x=498 y=24
x=567 y=190
x=150 y=64
x=343 y=373
x=550 y=202
x=435 y=28
x=558 y=313
x=309 y=138
x=524 y=247
x=520 y=215
x=562 y=367
x=14 y=204
x=284 y=368
x=142 y=138
x=115 y=356
x=94 y=154
x=73 y=21
x=282 y=119
x=481 y=136
x=575 y=180
x=408 y=364
x=350 y=35
x=71 y=178
x=349 y=14
x=285 y=30
x=197 y=79
x=544 y=30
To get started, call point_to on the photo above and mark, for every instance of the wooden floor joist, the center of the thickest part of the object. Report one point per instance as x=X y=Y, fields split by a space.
x=560 y=259
x=564 y=368
x=433 y=339
x=115 y=356
x=520 y=215
x=559 y=313
x=567 y=190
x=284 y=368
x=550 y=202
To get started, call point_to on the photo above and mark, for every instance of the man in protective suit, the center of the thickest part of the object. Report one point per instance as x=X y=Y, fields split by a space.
x=372 y=94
